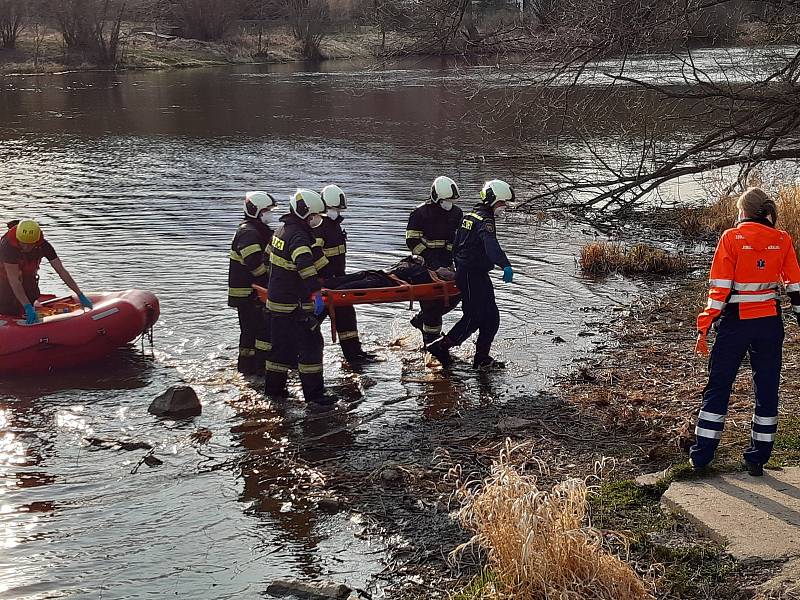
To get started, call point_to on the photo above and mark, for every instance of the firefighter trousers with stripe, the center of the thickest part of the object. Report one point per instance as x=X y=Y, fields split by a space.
x=429 y=318
x=296 y=340
x=762 y=339
x=253 y=337
x=480 y=312
x=347 y=330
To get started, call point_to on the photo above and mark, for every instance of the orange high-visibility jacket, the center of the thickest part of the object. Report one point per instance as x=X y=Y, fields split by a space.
x=750 y=263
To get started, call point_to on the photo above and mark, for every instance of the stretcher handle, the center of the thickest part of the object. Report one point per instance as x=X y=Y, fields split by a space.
x=436 y=279
x=331 y=311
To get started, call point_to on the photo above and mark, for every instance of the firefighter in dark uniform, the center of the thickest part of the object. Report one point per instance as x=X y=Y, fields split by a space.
x=22 y=249
x=333 y=240
x=476 y=252
x=429 y=234
x=248 y=265
x=294 y=301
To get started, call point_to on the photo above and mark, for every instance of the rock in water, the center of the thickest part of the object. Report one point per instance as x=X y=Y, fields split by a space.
x=179 y=401
x=325 y=590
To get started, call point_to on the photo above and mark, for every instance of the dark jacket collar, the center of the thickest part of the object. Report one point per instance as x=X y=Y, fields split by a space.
x=292 y=219
x=258 y=224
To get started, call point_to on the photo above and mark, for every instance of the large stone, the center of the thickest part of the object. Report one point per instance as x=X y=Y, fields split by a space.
x=757 y=517
x=179 y=401
x=301 y=590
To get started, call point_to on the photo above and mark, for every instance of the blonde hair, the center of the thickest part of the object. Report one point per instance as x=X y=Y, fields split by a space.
x=755 y=204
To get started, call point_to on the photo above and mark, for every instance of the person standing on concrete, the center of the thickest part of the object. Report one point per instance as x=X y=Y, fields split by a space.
x=750 y=263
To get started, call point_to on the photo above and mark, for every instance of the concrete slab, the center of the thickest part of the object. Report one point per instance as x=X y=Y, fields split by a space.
x=757 y=517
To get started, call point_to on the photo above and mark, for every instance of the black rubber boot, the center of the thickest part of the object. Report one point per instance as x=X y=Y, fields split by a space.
x=440 y=349
x=324 y=400
x=754 y=469
x=359 y=357
x=699 y=470
x=487 y=363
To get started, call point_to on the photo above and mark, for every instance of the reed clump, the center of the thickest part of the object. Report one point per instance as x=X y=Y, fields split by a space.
x=603 y=258
x=539 y=543
x=722 y=214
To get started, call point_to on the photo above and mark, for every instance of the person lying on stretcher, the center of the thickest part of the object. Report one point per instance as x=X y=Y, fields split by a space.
x=410 y=270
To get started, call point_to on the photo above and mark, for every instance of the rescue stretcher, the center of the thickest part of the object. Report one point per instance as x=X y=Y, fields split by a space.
x=402 y=292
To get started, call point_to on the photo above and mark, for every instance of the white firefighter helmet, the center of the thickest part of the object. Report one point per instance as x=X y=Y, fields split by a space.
x=255 y=202
x=495 y=191
x=333 y=197
x=305 y=202
x=444 y=188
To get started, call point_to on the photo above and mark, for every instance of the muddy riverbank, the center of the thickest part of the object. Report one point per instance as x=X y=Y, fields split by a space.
x=599 y=412
x=46 y=54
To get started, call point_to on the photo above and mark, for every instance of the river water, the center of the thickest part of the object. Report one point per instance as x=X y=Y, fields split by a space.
x=137 y=179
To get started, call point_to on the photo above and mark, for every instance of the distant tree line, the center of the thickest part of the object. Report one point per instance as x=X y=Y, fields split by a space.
x=97 y=27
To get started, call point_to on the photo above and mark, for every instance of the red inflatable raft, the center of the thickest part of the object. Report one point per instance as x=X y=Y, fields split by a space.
x=70 y=336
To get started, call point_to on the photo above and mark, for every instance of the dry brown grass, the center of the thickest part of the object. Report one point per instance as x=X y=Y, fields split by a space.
x=538 y=542
x=603 y=258
x=721 y=215
x=714 y=218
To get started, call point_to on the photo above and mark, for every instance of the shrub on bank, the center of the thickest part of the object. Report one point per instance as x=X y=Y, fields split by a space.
x=603 y=258
x=538 y=543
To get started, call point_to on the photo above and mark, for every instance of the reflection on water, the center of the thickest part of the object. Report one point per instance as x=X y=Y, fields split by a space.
x=137 y=179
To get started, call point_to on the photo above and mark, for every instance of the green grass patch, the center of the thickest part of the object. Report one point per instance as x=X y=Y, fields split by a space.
x=623 y=505
x=478 y=587
x=690 y=568
x=787 y=444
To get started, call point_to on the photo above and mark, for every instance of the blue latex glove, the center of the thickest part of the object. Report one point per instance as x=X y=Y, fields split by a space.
x=30 y=314
x=319 y=304
x=85 y=302
x=508 y=274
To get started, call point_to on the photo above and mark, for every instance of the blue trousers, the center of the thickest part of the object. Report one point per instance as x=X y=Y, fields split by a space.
x=762 y=339
x=480 y=311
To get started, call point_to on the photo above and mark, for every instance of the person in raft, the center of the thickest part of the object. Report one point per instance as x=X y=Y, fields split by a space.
x=248 y=266
x=22 y=249
x=476 y=252
x=751 y=261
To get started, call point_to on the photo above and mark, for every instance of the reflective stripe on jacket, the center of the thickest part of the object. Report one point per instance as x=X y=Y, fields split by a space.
x=295 y=263
x=752 y=260
x=430 y=233
x=248 y=260
x=476 y=247
x=334 y=246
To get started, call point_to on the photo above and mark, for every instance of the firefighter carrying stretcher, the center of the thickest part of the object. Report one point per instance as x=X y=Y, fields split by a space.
x=294 y=302
x=430 y=233
x=477 y=251
x=247 y=265
x=332 y=237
